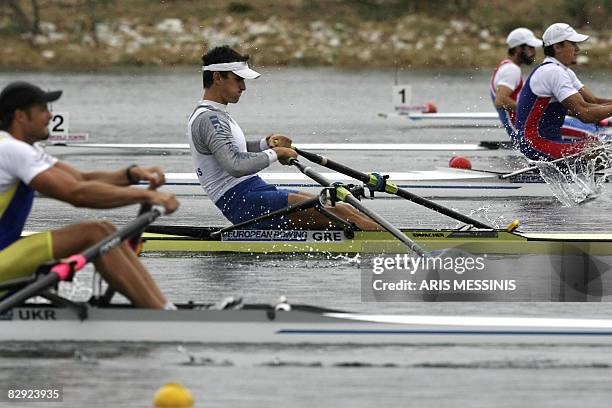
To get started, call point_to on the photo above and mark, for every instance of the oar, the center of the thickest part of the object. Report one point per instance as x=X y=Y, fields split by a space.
x=64 y=269
x=378 y=183
x=343 y=194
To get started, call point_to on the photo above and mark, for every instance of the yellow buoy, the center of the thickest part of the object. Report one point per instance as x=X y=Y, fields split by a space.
x=513 y=225
x=172 y=395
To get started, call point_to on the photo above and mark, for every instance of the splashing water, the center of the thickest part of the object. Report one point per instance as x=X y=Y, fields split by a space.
x=79 y=289
x=495 y=219
x=492 y=218
x=575 y=181
x=345 y=259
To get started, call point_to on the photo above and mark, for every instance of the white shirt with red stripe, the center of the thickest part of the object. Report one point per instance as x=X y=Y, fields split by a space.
x=507 y=74
x=555 y=80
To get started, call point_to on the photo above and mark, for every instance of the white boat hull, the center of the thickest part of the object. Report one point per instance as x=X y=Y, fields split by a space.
x=449 y=119
x=441 y=183
x=43 y=324
x=76 y=149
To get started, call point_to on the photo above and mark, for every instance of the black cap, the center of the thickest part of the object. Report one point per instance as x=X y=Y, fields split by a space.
x=21 y=94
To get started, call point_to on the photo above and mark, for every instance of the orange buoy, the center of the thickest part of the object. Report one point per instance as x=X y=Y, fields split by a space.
x=459 y=162
x=430 y=107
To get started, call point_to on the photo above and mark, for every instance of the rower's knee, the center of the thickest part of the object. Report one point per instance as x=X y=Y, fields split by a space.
x=297 y=197
x=344 y=210
x=77 y=237
x=98 y=230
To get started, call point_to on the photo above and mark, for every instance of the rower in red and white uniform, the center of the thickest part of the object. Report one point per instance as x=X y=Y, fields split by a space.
x=507 y=81
x=549 y=93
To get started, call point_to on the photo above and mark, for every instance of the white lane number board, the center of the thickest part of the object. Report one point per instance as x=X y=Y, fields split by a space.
x=402 y=96
x=59 y=124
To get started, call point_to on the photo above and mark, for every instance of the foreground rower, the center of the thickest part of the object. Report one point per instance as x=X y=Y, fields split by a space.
x=25 y=168
x=549 y=93
x=227 y=165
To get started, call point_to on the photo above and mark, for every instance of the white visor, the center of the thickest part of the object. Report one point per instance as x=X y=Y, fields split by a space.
x=239 y=68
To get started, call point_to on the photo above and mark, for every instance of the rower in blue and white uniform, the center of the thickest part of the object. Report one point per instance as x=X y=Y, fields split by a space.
x=226 y=164
x=507 y=81
x=549 y=93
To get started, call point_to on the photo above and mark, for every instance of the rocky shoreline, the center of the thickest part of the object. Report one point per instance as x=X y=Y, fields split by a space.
x=407 y=42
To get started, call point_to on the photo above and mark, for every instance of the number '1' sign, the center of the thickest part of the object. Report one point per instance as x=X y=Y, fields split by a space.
x=402 y=97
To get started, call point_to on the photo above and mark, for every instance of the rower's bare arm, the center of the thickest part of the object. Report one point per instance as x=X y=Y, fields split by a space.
x=586 y=111
x=503 y=98
x=154 y=175
x=590 y=97
x=62 y=185
x=70 y=170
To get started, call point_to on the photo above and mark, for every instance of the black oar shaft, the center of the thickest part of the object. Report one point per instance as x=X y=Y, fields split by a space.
x=110 y=242
x=339 y=167
x=391 y=188
x=134 y=240
x=33 y=289
x=345 y=195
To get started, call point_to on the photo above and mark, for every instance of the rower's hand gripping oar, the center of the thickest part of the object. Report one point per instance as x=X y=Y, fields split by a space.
x=65 y=269
x=377 y=182
x=343 y=194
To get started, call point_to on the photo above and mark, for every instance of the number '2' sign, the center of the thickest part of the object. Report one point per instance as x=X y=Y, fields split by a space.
x=59 y=123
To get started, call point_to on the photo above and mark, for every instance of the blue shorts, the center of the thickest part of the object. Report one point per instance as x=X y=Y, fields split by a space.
x=252 y=198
